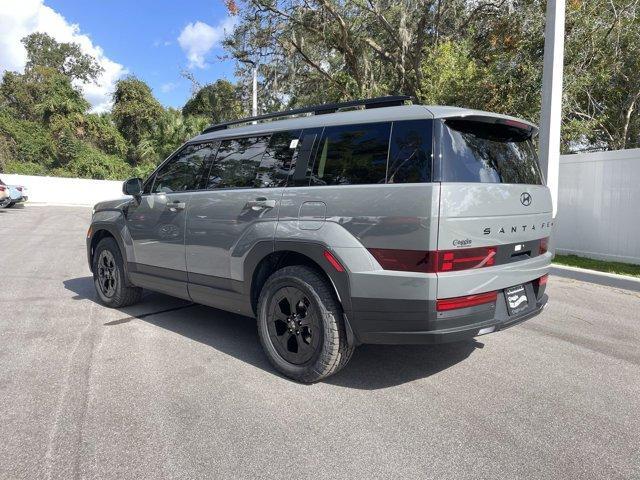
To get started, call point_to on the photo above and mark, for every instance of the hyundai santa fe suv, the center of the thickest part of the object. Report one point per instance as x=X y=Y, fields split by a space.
x=386 y=224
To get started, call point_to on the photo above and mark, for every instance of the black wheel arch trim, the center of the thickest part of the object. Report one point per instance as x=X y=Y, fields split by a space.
x=315 y=252
x=113 y=231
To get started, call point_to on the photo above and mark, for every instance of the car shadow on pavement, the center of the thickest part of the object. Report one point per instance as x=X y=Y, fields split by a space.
x=372 y=366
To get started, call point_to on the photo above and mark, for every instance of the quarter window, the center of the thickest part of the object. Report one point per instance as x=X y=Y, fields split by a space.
x=410 y=152
x=184 y=171
x=237 y=163
x=352 y=154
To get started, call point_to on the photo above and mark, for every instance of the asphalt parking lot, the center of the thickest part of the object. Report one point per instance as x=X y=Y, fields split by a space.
x=166 y=389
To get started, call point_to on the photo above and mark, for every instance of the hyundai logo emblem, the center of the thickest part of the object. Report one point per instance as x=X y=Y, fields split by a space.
x=525 y=199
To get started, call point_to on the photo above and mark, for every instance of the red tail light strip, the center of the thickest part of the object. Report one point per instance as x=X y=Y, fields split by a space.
x=446 y=304
x=405 y=260
x=543 y=280
x=467 y=258
x=432 y=262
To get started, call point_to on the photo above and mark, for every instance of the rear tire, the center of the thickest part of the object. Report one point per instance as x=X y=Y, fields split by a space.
x=109 y=276
x=301 y=325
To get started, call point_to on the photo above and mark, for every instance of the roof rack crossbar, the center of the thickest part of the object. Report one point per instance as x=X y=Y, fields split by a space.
x=367 y=103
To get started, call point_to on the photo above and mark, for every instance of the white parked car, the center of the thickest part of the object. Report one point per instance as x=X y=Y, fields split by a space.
x=14 y=194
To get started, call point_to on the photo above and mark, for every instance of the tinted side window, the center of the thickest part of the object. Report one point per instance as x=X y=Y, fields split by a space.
x=302 y=164
x=237 y=162
x=276 y=161
x=184 y=171
x=352 y=154
x=410 y=152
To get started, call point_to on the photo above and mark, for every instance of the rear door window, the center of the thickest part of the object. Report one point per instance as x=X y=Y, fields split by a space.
x=352 y=154
x=275 y=165
x=410 y=156
x=483 y=152
x=236 y=163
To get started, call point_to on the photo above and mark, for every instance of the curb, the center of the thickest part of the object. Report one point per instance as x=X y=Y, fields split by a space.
x=596 y=272
x=624 y=282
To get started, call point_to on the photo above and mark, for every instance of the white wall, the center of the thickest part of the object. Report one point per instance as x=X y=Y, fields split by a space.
x=65 y=191
x=599 y=205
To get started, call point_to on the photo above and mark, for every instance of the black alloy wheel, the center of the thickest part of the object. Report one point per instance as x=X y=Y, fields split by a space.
x=294 y=325
x=107 y=274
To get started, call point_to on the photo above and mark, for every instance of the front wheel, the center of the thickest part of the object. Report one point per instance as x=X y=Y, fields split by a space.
x=301 y=325
x=109 y=276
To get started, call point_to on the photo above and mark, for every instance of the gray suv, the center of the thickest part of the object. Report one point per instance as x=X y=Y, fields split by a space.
x=387 y=223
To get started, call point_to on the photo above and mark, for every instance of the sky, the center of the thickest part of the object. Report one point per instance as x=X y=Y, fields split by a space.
x=153 y=40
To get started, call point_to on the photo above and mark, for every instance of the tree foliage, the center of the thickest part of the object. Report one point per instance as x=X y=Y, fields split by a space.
x=66 y=58
x=135 y=110
x=477 y=53
x=484 y=54
x=46 y=126
x=219 y=101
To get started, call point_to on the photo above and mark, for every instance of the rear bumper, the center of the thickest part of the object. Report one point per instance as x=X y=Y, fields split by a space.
x=429 y=327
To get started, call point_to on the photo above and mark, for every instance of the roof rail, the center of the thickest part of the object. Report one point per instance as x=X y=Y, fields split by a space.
x=377 y=102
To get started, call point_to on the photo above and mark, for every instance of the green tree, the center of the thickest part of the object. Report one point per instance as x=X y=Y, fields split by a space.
x=44 y=124
x=135 y=112
x=486 y=54
x=41 y=93
x=170 y=131
x=66 y=58
x=219 y=101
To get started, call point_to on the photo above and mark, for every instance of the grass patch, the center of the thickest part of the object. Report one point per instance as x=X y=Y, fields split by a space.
x=599 y=265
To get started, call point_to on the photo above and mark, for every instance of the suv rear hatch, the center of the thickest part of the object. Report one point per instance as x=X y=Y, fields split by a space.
x=495 y=212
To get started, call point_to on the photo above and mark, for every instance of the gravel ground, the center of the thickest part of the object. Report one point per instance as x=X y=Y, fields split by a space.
x=166 y=389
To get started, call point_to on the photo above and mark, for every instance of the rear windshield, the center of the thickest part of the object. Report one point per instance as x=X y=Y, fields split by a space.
x=476 y=151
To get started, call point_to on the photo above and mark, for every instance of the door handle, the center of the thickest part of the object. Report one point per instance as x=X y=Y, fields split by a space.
x=259 y=203
x=175 y=206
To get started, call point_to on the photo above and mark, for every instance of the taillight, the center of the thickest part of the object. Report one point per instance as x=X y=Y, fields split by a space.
x=544 y=245
x=405 y=260
x=2 y=188
x=466 y=258
x=543 y=280
x=432 y=262
x=445 y=304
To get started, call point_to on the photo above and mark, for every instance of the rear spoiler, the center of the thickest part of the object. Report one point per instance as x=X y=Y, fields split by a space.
x=530 y=129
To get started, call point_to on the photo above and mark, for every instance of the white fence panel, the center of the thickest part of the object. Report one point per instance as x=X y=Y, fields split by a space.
x=599 y=205
x=65 y=191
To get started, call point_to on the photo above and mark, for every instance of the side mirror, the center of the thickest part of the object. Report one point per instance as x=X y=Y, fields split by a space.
x=133 y=186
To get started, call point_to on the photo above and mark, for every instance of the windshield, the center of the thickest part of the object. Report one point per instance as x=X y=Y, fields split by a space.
x=477 y=151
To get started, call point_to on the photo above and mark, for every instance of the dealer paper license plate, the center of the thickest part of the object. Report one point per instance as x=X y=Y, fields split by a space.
x=517 y=301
